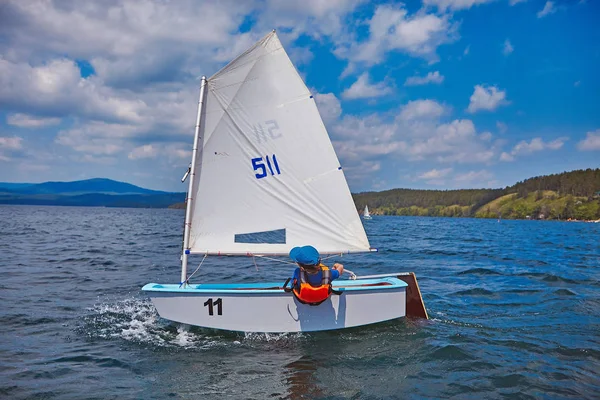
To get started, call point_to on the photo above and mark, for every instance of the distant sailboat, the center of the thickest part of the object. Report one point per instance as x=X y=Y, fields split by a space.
x=265 y=178
x=366 y=214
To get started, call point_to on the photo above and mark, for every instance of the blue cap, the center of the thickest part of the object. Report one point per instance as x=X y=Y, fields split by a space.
x=306 y=255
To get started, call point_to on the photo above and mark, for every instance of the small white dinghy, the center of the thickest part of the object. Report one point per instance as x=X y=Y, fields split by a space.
x=264 y=178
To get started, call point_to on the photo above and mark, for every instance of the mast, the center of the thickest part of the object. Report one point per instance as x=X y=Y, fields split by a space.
x=190 y=194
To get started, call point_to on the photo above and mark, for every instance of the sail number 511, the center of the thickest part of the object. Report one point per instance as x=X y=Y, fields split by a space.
x=260 y=165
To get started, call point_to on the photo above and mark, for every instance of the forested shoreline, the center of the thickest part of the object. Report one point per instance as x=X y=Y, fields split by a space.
x=568 y=195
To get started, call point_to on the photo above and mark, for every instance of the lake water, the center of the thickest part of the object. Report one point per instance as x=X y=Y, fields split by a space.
x=514 y=307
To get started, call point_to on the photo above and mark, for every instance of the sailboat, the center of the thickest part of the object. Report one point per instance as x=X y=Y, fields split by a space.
x=366 y=214
x=264 y=178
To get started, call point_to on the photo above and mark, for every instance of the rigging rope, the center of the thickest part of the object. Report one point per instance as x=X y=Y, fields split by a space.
x=275 y=259
x=189 y=277
x=290 y=262
x=332 y=255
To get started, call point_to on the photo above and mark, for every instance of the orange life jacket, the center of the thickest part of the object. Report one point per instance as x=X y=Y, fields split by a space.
x=309 y=294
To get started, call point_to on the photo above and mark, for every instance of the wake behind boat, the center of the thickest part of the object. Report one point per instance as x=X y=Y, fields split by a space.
x=264 y=178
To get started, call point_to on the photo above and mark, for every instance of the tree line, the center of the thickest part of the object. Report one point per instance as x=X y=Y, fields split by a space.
x=582 y=183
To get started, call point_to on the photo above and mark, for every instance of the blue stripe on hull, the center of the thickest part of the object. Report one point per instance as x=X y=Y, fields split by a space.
x=274 y=287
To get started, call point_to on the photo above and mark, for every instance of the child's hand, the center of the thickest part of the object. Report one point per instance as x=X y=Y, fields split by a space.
x=339 y=267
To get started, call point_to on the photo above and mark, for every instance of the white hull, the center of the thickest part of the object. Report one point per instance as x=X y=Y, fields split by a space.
x=265 y=307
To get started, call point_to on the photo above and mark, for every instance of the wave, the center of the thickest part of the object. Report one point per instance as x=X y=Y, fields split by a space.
x=107 y=362
x=449 y=352
x=546 y=277
x=23 y=320
x=511 y=380
x=475 y=292
x=523 y=291
x=478 y=271
x=564 y=292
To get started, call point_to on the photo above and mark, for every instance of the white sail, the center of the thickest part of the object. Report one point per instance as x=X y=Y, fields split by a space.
x=366 y=212
x=266 y=164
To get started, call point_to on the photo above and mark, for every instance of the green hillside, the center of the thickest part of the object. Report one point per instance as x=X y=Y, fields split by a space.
x=542 y=204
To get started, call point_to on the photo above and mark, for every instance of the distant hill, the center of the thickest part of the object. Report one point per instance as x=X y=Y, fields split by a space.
x=10 y=186
x=96 y=185
x=91 y=192
x=568 y=195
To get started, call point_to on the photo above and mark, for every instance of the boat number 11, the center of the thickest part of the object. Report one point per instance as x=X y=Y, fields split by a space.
x=211 y=306
x=261 y=170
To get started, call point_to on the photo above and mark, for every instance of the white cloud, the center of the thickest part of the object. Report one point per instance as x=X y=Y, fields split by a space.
x=431 y=77
x=523 y=146
x=329 y=106
x=9 y=146
x=591 y=141
x=501 y=126
x=103 y=143
x=56 y=88
x=111 y=116
x=467 y=50
x=435 y=176
x=160 y=150
x=11 y=143
x=548 y=9
x=537 y=144
x=145 y=151
x=135 y=44
x=422 y=109
x=534 y=145
x=486 y=136
x=362 y=89
x=144 y=41
x=311 y=17
x=96 y=138
x=30 y=121
x=481 y=177
x=435 y=173
x=456 y=141
x=514 y=2
x=557 y=143
x=393 y=29
x=486 y=98
x=414 y=139
x=508 y=48
x=455 y=5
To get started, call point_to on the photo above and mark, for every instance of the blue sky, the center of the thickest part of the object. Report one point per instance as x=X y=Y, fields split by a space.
x=434 y=94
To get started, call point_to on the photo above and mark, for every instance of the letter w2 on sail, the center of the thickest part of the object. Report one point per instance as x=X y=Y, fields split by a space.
x=259 y=130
